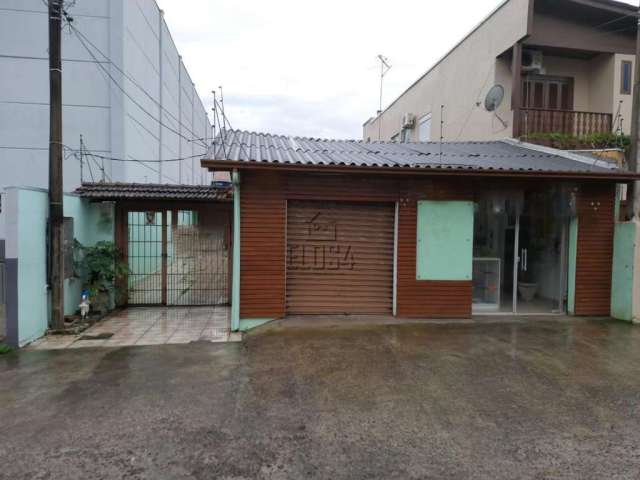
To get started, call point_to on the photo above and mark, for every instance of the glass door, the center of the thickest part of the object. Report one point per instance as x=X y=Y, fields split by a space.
x=520 y=253
x=494 y=252
x=539 y=272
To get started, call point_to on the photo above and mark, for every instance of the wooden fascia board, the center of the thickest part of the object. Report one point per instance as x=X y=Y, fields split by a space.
x=620 y=177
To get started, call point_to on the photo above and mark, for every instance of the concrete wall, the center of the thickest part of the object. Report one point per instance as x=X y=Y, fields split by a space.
x=92 y=223
x=27 y=298
x=464 y=76
x=27 y=294
x=134 y=36
x=625 y=285
x=459 y=81
x=602 y=83
x=621 y=102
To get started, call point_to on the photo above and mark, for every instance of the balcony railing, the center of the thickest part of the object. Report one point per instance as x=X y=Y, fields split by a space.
x=569 y=122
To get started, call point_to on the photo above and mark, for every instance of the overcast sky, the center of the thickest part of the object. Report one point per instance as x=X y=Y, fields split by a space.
x=309 y=68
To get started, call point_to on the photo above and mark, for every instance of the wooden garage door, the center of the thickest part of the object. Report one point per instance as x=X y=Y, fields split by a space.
x=339 y=258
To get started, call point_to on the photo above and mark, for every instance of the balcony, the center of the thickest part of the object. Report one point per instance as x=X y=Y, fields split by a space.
x=568 y=122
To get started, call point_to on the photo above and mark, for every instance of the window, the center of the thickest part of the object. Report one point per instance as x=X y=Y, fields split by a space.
x=626 y=77
x=424 y=128
x=406 y=135
x=444 y=249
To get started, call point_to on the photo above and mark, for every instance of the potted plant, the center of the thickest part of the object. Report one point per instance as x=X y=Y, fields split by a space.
x=100 y=266
x=527 y=283
x=527 y=289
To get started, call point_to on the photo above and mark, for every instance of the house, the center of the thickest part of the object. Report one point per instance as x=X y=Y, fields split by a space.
x=417 y=230
x=532 y=66
x=175 y=240
x=126 y=91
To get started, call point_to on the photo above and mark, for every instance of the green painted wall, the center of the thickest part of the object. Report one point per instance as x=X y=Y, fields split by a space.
x=33 y=317
x=624 y=252
x=145 y=245
x=444 y=240
x=571 y=268
x=247 y=324
x=92 y=223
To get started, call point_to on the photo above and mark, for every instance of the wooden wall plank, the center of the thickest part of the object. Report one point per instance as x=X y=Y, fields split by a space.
x=262 y=245
x=596 y=211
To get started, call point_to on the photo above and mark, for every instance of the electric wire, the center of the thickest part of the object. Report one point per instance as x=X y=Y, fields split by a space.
x=134 y=82
x=133 y=100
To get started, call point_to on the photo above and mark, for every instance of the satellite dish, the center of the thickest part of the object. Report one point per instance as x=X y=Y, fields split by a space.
x=494 y=98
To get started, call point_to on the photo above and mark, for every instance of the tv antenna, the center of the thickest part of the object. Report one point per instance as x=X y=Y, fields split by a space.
x=384 y=69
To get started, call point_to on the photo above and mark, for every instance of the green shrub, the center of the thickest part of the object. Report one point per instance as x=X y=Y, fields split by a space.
x=570 y=142
x=100 y=266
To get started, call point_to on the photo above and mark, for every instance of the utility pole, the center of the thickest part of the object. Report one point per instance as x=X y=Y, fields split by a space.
x=56 y=263
x=633 y=192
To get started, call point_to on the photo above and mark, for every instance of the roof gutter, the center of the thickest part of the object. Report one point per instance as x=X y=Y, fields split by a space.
x=616 y=176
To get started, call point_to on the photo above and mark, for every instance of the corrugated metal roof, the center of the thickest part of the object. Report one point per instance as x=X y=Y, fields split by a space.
x=147 y=191
x=504 y=155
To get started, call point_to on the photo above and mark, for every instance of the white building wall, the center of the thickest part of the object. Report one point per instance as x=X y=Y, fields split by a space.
x=459 y=81
x=133 y=34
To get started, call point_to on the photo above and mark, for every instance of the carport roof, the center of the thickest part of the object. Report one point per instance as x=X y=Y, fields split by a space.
x=150 y=191
x=250 y=149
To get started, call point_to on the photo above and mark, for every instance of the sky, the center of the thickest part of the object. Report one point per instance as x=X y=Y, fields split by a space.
x=310 y=68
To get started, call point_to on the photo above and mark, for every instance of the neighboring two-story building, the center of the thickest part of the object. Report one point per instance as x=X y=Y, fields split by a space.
x=561 y=66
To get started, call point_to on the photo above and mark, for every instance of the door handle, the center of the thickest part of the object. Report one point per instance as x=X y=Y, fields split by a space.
x=524 y=260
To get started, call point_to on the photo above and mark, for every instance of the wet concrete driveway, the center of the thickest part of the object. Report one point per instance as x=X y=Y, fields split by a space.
x=543 y=399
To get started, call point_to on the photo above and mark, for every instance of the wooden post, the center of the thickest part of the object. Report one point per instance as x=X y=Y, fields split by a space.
x=56 y=257
x=516 y=89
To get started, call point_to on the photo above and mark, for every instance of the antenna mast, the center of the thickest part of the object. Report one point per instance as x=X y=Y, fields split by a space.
x=224 y=117
x=441 y=130
x=384 y=69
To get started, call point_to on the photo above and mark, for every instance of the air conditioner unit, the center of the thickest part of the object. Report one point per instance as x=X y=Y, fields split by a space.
x=532 y=61
x=408 y=120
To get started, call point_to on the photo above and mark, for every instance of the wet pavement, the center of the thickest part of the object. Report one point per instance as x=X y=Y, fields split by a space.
x=149 y=326
x=530 y=399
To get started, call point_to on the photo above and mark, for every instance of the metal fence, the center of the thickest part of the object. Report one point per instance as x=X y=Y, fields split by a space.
x=176 y=258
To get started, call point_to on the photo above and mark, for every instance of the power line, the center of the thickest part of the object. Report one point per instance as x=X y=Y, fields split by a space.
x=154 y=170
x=132 y=80
x=135 y=102
x=116 y=159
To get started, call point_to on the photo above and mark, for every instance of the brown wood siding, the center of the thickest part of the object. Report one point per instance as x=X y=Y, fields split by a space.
x=263 y=229
x=340 y=257
x=262 y=246
x=596 y=210
x=419 y=298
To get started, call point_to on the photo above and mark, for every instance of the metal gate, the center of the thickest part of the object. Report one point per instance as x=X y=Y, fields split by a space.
x=177 y=257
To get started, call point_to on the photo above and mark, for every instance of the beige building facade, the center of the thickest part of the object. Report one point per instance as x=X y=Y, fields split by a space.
x=562 y=66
